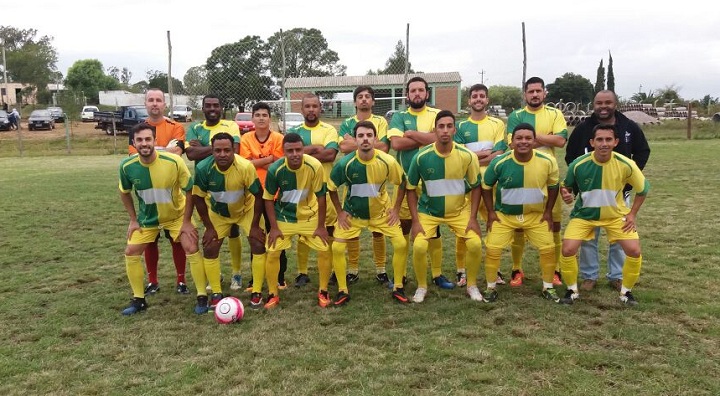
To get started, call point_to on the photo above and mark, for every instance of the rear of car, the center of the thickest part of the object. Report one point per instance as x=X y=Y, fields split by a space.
x=88 y=113
x=181 y=113
x=57 y=114
x=291 y=120
x=40 y=119
x=244 y=122
x=4 y=121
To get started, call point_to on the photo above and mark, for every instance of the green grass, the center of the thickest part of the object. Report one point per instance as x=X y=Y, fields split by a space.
x=63 y=284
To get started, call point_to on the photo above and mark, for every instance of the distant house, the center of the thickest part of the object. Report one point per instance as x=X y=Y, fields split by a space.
x=12 y=93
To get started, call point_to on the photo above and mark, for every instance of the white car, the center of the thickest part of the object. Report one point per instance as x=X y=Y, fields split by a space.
x=181 y=113
x=88 y=113
x=291 y=120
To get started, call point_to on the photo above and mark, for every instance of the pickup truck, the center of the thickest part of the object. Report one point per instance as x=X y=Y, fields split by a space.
x=123 y=119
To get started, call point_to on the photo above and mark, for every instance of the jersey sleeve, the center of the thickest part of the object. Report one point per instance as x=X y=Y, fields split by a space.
x=459 y=137
x=499 y=138
x=560 y=125
x=318 y=182
x=191 y=134
x=570 y=181
x=345 y=128
x=337 y=178
x=413 y=176
x=331 y=139
x=184 y=178
x=178 y=132
x=396 y=175
x=382 y=130
x=200 y=185
x=637 y=180
x=245 y=150
x=125 y=185
x=490 y=177
x=271 y=185
x=277 y=150
x=553 y=174
x=396 y=127
x=472 y=175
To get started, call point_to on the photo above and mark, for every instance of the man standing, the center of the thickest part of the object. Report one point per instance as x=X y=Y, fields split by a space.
x=410 y=130
x=169 y=137
x=527 y=187
x=485 y=136
x=320 y=142
x=229 y=183
x=599 y=178
x=633 y=145
x=162 y=184
x=295 y=205
x=550 y=132
x=445 y=169
x=365 y=172
x=364 y=97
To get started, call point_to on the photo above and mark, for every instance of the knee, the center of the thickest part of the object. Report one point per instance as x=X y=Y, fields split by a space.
x=420 y=246
x=568 y=251
x=339 y=247
x=474 y=246
x=399 y=243
x=256 y=247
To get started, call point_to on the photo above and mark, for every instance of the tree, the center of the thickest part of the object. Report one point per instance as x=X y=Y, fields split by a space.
x=600 y=79
x=159 y=80
x=30 y=60
x=306 y=55
x=642 y=97
x=122 y=76
x=88 y=76
x=610 y=75
x=509 y=97
x=571 y=88
x=239 y=73
x=669 y=94
x=195 y=80
x=396 y=63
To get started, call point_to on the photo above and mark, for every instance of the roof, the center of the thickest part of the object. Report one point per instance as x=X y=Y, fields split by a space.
x=374 y=81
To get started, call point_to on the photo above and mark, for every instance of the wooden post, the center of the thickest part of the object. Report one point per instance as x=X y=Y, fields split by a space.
x=522 y=85
x=170 y=86
x=689 y=121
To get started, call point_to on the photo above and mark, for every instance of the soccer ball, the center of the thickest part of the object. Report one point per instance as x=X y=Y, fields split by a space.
x=229 y=310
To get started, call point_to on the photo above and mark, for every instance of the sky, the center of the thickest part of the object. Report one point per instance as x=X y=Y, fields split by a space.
x=653 y=46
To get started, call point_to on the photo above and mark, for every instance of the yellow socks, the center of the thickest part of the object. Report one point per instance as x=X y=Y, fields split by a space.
x=197 y=270
x=420 y=248
x=353 y=259
x=136 y=275
x=435 y=250
x=303 y=251
x=339 y=264
x=569 y=268
x=212 y=271
x=258 y=271
x=516 y=250
x=631 y=271
x=272 y=269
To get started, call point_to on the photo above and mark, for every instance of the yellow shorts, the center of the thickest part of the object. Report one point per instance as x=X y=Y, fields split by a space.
x=536 y=232
x=303 y=230
x=584 y=230
x=375 y=225
x=223 y=224
x=149 y=234
x=457 y=224
x=330 y=213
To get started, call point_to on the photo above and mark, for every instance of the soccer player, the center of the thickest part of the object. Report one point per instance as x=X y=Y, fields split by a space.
x=633 y=145
x=527 y=187
x=599 y=178
x=364 y=98
x=262 y=147
x=162 y=184
x=410 y=130
x=197 y=148
x=445 y=169
x=321 y=142
x=485 y=136
x=295 y=205
x=365 y=173
x=229 y=182
x=550 y=132
x=170 y=137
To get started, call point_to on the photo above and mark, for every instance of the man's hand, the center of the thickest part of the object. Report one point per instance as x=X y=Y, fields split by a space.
x=173 y=144
x=188 y=229
x=393 y=216
x=547 y=217
x=210 y=237
x=274 y=235
x=257 y=234
x=132 y=227
x=195 y=143
x=630 y=225
x=321 y=232
x=492 y=217
x=417 y=229
x=473 y=225
x=566 y=195
x=344 y=220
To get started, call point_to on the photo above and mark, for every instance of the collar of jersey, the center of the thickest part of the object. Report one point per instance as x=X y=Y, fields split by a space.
x=375 y=154
x=441 y=155
x=535 y=111
x=517 y=161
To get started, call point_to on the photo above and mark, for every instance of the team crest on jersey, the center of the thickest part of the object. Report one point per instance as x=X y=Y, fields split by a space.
x=467 y=134
x=212 y=183
x=135 y=182
x=587 y=182
x=507 y=180
x=430 y=171
x=354 y=176
x=284 y=182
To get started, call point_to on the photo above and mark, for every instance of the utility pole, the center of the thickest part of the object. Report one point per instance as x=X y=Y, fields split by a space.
x=482 y=76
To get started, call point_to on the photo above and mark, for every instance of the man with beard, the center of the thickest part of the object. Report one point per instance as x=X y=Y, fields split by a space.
x=320 y=141
x=169 y=137
x=162 y=184
x=525 y=184
x=197 y=148
x=633 y=145
x=364 y=97
x=550 y=132
x=485 y=136
x=410 y=130
x=366 y=173
x=599 y=178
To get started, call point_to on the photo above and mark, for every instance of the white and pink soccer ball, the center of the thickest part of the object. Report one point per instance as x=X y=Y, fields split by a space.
x=229 y=310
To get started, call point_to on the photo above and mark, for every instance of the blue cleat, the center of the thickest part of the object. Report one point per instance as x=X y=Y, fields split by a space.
x=202 y=305
x=136 y=305
x=443 y=282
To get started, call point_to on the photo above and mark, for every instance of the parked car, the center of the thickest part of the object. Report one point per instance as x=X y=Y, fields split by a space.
x=244 y=122
x=182 y=113
x=41 y=119
x=88 y=113
x=291 y=120
x=121 y=120
x=57 y=114
x=4 y=121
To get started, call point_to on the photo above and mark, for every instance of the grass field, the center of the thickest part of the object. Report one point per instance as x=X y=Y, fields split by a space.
x=63 y=284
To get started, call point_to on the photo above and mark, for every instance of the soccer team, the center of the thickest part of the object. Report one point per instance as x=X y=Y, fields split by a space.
x=444 y=172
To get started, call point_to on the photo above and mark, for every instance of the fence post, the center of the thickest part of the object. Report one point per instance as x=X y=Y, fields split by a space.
x=689 y=121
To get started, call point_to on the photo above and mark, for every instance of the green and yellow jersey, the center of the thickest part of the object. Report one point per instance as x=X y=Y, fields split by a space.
x=322 y=134
x=348 y=125
x=230 y=193
x=203 y=133
x=486 y=134
x=160 y=187
x=546 y=120
x=522 y=187
x=445 y=179
x=411 y=120
x=366 y=194
x=600 y=186
x=296 y=189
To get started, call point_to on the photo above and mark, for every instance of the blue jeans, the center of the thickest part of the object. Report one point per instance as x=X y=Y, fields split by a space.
x=590 y=259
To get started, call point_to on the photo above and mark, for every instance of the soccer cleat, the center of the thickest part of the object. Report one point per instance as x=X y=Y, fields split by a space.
x=324 y=299
x=272 y=301
x=352 y=278
x=236 y=282
x=333 y=279
x=302 y=280
x=443 y=282
x=391 y=285
x=282 y=285
x=628 y=299
x=399 y=295
x=490 y=295
x=136 y=305
x=249 y=286
x=516 y=278
x=256 y=301
x=557 y=279
x=570 y=297
x=551 y=294
x=152 y=288
x=382 y=278
x=419 y=295
x=215 y=299
x=499 y=280
x=202 y=305
x=341 y=299
x=461 y=279
x=474 y=293
x=182 y=288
